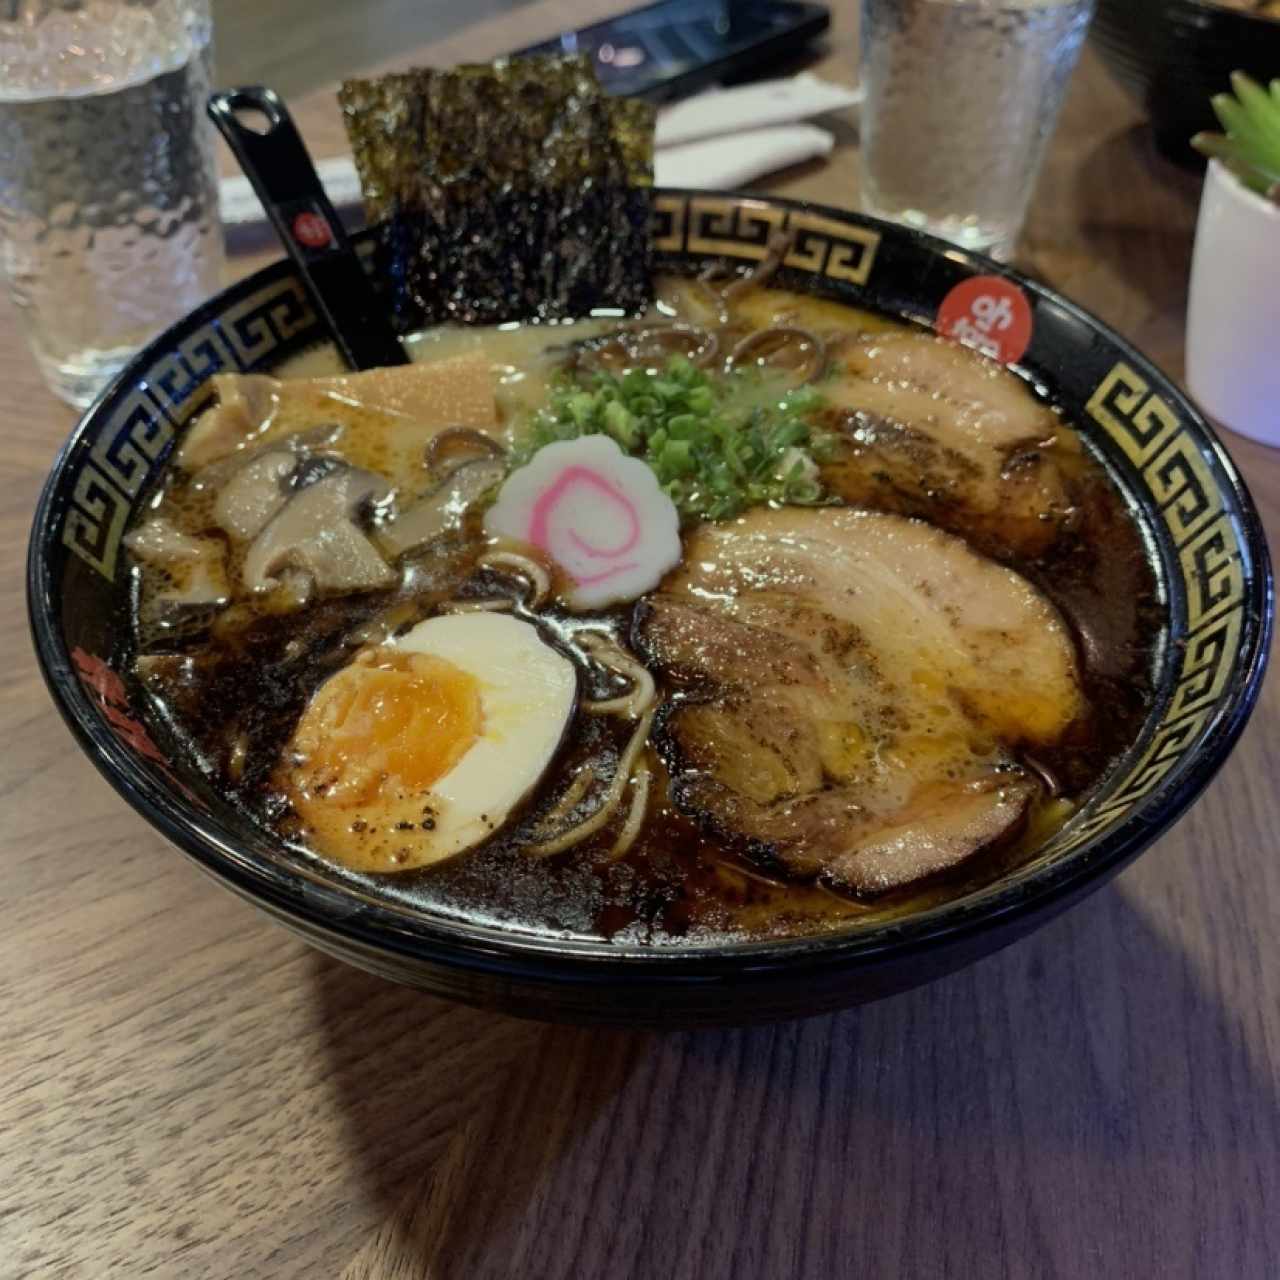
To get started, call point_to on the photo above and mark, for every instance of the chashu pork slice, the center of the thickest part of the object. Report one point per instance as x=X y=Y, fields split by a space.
x=934 y=429
x=852 y=686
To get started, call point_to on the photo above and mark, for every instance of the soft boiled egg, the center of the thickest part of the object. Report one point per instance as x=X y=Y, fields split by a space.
x=423 y=746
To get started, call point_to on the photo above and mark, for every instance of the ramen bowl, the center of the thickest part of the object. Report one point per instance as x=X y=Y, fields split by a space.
x=1197 y=521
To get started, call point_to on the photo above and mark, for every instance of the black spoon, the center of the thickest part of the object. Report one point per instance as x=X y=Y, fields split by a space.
x=276 y=162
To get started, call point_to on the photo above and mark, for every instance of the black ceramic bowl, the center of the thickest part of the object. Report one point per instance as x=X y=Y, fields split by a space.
x=1174 y=55
x=1205 y=541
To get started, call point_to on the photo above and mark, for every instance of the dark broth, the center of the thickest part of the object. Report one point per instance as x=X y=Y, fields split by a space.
x=230 y=698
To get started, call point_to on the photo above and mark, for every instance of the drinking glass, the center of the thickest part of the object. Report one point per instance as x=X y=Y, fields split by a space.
x=961 y=98
x=108 y=193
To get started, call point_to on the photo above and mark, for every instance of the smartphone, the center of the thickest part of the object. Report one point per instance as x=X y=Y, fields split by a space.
x=675 y=47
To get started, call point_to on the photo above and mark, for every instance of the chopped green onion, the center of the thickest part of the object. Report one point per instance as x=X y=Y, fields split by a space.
x=716 y=444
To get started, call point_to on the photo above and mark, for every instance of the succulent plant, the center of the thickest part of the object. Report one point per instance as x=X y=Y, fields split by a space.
x=1250 y=147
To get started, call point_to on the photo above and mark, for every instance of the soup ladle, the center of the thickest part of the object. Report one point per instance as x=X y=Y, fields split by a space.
x=263 y=138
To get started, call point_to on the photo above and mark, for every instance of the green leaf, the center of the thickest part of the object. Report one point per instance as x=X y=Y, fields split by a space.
x=1249 y=176
x=1215 y=145
x=1262 y=110
x=1261 y=148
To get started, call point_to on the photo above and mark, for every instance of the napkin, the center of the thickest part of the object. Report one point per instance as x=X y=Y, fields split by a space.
x=719 y=139
x=728 y=137
x=736 y=159
x=750 y=106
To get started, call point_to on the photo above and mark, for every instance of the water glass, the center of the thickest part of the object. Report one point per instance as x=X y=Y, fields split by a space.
x=108 y=192
x=961 y=98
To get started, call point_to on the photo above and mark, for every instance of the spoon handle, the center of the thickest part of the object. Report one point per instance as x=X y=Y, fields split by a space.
x=275 y=160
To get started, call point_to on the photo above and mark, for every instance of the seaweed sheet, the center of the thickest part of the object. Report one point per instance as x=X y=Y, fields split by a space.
x=505 y=191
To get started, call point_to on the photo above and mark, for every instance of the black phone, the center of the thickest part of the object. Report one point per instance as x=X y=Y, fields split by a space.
x=675 y=47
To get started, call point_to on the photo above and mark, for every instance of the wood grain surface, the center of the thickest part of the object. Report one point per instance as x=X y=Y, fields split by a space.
x=296 y=46
x=186 y=1091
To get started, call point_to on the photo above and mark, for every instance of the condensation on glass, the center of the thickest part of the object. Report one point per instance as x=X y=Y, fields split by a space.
x=108 y=196
x=961 y=99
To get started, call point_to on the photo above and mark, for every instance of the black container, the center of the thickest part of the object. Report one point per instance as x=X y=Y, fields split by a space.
x=1174 y=55
x=1207 y=549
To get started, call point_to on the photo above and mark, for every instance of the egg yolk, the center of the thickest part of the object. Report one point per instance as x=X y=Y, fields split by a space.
x=407 y=717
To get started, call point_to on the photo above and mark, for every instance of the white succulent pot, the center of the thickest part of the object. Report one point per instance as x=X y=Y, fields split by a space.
x=1233 y=317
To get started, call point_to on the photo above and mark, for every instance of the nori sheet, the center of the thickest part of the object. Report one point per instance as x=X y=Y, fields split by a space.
x=506 y=191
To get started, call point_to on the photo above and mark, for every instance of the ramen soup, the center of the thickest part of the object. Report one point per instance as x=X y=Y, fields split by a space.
x=760 y=616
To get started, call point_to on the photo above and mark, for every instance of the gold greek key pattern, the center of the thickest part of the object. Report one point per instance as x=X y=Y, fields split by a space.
x=1206 y=669
x=1206 y=665
x=1170 y=744
x=1136 y=420
x=736 y=228
x=178 y=381
x=1211 y=558
x=95 y=519
x=670 y=219
x=260 y=323
x=830 y=248
x=131 y=444
x=1184 y=488
x=135 y=436
x=1147 y=429
x=740 y=228
x=1212 y=571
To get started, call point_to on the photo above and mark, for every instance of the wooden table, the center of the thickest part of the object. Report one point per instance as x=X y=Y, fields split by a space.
x=187 y=1091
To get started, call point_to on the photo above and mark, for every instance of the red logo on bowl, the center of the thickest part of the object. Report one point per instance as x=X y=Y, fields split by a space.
x=312 y=231
x=990 y=314
x=113 y=702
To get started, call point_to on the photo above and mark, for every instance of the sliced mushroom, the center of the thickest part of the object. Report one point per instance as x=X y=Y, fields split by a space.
x=161 y=543
x=254 y=494
x=196 y=566
x=297 y=586
x=311 y=442
x=443 y=508
x=311 y=468
x=403 y=406
x=454 y=447
x=204 y=584
x=316 y=533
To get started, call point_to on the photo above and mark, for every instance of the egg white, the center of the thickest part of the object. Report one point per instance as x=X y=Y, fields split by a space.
x=528 y=692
